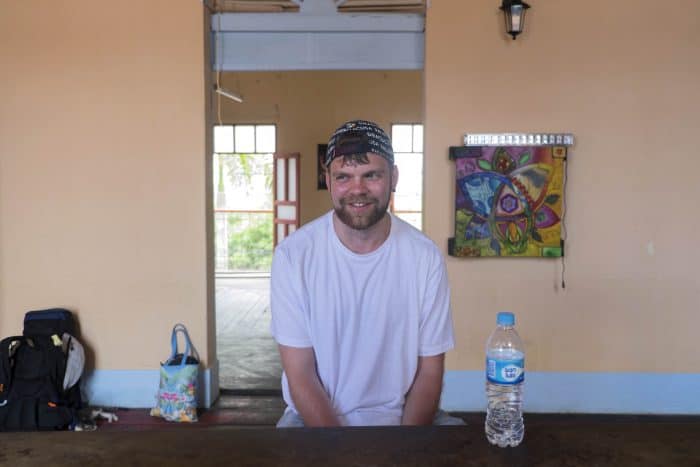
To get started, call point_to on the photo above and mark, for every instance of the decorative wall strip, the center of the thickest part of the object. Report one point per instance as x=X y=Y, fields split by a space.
x=518 y=139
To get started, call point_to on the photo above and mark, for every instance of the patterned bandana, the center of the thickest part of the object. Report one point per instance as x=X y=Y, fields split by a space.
x=359 y=137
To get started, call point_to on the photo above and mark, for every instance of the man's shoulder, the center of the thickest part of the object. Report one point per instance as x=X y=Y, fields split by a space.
x=407 y=233
x=307 y=236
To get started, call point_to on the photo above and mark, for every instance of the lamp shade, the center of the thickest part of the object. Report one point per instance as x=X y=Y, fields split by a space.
x=514 y=13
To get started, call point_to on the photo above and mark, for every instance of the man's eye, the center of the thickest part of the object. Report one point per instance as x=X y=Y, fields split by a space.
x=341 y=178
x=372 y=176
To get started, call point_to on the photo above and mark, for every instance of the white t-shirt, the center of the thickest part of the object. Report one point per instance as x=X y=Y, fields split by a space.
x=368 y=317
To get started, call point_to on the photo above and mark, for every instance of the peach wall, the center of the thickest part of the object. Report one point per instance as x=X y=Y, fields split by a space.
x=102 y=172
x=307 y=106
x=623 y=77
x=104 y=183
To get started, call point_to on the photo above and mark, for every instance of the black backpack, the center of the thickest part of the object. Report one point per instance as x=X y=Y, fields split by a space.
x=32 y=371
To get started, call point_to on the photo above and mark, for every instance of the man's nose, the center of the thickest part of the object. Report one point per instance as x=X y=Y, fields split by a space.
x=358 y=185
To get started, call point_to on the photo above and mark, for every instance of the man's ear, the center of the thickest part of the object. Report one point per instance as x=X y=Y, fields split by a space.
x=394 y=178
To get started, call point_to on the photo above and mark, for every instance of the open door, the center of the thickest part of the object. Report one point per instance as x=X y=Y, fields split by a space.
x=286 y=195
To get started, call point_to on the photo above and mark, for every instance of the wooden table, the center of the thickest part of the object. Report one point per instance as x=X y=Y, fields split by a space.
x=549 y=441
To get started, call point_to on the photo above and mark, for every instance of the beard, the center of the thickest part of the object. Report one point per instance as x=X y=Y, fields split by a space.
x=365 y=220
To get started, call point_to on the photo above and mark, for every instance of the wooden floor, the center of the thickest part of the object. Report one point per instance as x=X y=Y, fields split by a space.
x=228 y=411
x=248 y=356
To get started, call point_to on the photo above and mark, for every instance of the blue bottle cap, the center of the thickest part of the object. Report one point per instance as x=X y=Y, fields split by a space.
x=505 y=318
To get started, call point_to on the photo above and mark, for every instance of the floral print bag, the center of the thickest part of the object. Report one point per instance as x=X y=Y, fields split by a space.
x=177 y=395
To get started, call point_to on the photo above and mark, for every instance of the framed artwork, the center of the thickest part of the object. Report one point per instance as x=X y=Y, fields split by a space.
x=509 y=200
x=321 y=169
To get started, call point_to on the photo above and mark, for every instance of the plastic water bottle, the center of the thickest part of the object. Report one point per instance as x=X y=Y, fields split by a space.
x=505 y=373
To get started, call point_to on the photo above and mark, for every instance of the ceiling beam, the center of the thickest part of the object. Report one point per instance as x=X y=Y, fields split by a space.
x=333 y=22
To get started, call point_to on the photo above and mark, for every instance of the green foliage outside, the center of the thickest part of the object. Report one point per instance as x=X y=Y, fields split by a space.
x=249 y=235
x=250 y=248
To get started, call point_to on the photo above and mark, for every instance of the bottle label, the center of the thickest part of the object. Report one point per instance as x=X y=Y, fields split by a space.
x=505 y=371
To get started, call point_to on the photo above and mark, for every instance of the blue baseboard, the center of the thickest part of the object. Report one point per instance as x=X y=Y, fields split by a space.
x=550 y=392
x=138 y=388
x=463 y=391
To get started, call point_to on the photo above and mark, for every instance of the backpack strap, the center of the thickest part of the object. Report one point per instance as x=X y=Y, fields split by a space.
x=75 y=361
x=8 y=348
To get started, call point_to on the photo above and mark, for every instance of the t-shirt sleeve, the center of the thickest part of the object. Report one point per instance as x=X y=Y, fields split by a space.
x=288 y=325
x=436 y=330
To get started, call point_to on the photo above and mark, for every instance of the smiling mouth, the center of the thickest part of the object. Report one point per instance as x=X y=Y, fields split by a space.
x=359 y=204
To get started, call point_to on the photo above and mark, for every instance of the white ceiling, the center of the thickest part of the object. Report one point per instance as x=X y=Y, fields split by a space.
x=270 y=35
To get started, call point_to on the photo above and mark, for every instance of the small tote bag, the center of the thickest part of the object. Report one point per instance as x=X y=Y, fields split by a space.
x=177 y=395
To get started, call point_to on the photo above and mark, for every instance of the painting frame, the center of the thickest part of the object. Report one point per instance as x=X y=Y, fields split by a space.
x=321 y=167
x=509 y=200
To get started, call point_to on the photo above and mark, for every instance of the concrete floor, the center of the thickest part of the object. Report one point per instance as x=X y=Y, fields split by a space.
x=248 y=357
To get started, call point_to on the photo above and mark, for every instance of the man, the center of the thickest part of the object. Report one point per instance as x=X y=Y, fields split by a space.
x=360 y=301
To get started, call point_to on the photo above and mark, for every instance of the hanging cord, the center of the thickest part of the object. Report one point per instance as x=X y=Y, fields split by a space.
x=220 y=53
x=211 y=7
x=563 y=222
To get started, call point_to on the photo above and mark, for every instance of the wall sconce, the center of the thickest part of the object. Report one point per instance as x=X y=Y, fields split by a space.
x=514 y=12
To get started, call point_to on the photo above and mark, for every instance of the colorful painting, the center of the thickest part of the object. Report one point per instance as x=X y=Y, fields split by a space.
x=509 y=201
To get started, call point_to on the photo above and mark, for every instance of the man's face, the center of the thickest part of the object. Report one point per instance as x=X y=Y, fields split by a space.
x=361 y=192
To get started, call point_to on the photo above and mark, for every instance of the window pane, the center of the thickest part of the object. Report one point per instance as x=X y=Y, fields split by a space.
x=409 y=190
x=244 y=181
x=402 y=138
x=286 y=212
x=292 y=179
x=223 y=138
x=265 y=138
x=281 y=178
x=417 y=138
x=245 y=139
x=236 y=252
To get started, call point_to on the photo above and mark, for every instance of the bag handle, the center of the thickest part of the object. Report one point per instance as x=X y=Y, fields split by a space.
x=189 y=348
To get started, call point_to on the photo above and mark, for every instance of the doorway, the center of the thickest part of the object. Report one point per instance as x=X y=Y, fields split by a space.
x=243 y=178
x=305 y=107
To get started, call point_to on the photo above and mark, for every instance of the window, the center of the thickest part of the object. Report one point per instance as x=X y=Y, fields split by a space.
x=243 y=197
x=407 y=142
